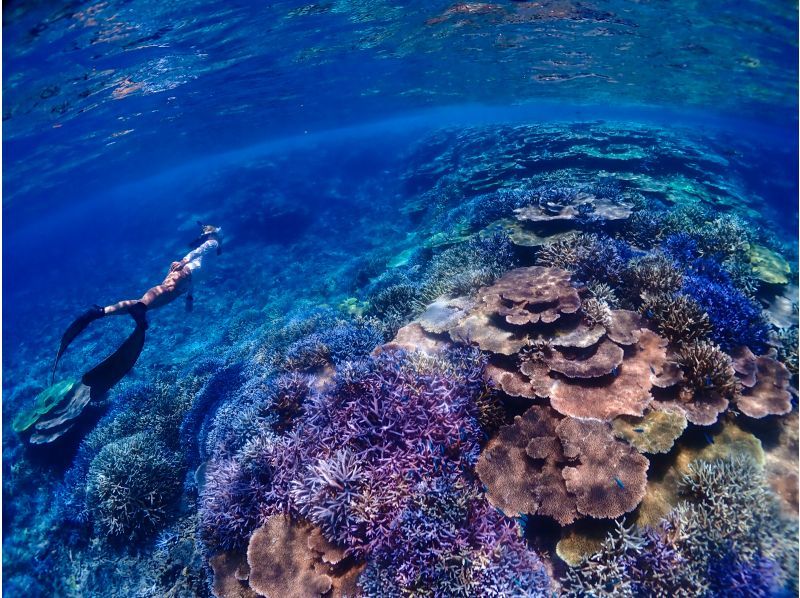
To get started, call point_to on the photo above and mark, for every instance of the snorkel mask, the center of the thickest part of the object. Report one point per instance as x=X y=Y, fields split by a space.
x=209 y=231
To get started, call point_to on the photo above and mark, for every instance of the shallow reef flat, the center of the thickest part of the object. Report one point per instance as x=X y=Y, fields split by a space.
x=510 y=360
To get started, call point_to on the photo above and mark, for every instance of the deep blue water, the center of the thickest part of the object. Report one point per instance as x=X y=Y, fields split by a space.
x=351 y=151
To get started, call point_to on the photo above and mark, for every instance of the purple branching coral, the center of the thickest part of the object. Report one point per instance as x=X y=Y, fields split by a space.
x=448 y=541
x=329 y=493
x=352 y=457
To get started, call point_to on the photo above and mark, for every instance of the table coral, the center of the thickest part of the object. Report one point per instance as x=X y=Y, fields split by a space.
x=563 y=468
x=625 y=393
x=765 y=385
x=281 y=562
x=609 y=476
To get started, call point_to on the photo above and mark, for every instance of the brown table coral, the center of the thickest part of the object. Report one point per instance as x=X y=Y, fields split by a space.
x=609 y=477
x=625 y=392
x=499 y=321
x=291 y=559
x=765 y=384
x=563 y=468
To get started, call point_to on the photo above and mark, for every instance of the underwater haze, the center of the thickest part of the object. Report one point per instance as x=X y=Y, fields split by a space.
x=416 y=299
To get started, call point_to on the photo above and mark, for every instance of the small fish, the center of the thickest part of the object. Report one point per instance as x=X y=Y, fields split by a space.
x=615 y=371
x=619 y=483
x=709 y=439
x=708 y=381
x=639 y=430
x=652 y=370
x=649 y=313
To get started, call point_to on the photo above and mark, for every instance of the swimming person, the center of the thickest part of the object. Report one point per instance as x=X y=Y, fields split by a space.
x=179 y=281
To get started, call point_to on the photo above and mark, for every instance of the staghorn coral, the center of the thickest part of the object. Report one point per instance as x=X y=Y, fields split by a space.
x=559 y=203
x=399 y=417
x=734 y=319
x=463 y=269
x=603 y=292
x=229 y=503
x=131 y=486
x=742 y=276
x=597 y=311
x=727 y=235
x=326 y=494
x=730 y=523
x=707 y=382
x=677 y=317
x=588 y=257
x=450 y=542
x=788 y=348
x=654 y=273
x=644 y=228
x=262 y=405
x=343 y=340
x=632 y=562
x=394 y=305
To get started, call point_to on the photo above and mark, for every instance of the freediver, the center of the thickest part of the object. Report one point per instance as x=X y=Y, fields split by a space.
x=179 y=281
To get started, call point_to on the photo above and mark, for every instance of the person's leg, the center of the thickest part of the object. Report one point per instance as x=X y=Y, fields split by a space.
x=120 y=308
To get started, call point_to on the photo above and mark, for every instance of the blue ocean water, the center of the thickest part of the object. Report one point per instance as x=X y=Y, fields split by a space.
x=369 y=395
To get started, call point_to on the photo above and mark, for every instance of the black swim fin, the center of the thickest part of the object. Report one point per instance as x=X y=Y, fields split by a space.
x=104 y=376
x=78 y=326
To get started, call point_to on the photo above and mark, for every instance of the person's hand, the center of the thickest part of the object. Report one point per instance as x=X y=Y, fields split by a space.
x=177 y=265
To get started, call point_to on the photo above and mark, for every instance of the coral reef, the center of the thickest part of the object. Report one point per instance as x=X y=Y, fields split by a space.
x=511 y=408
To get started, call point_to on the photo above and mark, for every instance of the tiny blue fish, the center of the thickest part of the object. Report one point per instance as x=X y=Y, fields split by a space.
x=652 y=370
x=619 y=483
x=709 y=439
x=708 y=381
x=639 y=430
